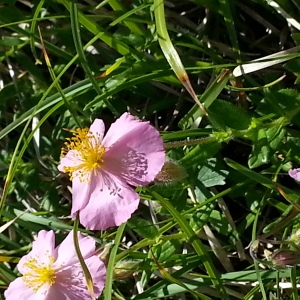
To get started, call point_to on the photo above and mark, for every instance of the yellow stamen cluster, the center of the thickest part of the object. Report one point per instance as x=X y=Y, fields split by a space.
x=88 y=150
x=39 y=275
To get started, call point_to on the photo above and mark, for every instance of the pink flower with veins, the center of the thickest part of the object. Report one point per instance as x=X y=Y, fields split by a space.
x=51 y=272
x=103 y=169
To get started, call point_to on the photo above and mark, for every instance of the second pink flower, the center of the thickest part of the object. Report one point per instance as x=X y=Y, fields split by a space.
x=103 y=169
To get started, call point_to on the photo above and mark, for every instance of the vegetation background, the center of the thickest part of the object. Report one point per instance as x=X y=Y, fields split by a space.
x=64 y=63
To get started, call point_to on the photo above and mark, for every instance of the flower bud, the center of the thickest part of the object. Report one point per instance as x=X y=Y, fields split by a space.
x=125 y=269
x=285 y=258
x=170 y=173
x=103 y=253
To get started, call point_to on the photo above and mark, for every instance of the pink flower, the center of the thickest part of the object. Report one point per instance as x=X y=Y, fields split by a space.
x=103 y=169
x=295 y=173
x=55 y=273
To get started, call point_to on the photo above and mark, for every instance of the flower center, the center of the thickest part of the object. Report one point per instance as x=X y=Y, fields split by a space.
x=38 y=275
x=88 y=153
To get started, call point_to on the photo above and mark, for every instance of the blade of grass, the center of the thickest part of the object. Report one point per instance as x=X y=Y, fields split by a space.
x=170 y=278
x=78 y=45
x=22 y=32
x=85 y=269
x=118 y=7
x=16 y=157
x=96 y=29
x=254 y=233
x=229 y=21
x=44 y=103
x=33 y=28
x=291 y=196
x=293 y=276
x=170 y=52
x=196 y=243
x=208 y=97
x=57 y=85
x=266 y=61
x=107 y=294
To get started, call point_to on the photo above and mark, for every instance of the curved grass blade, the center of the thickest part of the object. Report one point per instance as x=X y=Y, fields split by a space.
x=59 y=89
x=170 y=278
x=228 y=18
x=196 y=243
x=290 y=195
x=93 y=27
x=266 y=61
x=32 y=30
x=170 y=52
x=207 y=98
x=44 y=103
x=16 y=157
x=118 y=7
x=111 y=263
x=86 y=272
x=78 y=45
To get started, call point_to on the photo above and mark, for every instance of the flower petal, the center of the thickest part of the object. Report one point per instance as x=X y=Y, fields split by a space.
x=98 y=128
x=17 y=288
x=70 y=282
x=69 y=160
x=66 y=250
x=122 y=126
x=111 y=204
x=295 y=173
x=80 y=195
x=137 y=156
x=42 y=250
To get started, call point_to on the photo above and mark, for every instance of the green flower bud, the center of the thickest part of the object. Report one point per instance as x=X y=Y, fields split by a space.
x=103 y=253
x=125 y=269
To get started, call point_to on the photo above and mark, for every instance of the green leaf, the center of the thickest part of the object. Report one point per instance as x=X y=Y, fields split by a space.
x=211 y=174
x=201 y=153
x=229 y=115
x=163 y=251
x=143 y=227
x=284 y=103
x=200 y=217
x=265 y=145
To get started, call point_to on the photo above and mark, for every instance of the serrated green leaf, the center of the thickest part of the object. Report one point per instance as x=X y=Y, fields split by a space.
x=210 y=173
x=235 y=117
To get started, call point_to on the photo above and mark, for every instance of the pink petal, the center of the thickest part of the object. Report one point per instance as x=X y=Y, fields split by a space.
x=98 y=128
x=111 y=204
x=81 y=192
x=42 y=250
x=70 y=160
x=98 y=273
x=121 y=127
x=66 y=250
x=71 y=283
x=295 y=173
x=18 y=288
x=137 y=156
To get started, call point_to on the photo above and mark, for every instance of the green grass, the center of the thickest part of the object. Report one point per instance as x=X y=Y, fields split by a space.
x=65 y=63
